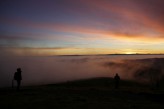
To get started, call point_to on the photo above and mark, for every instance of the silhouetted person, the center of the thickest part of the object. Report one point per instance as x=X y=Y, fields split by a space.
x=18 y=77
x=117 y=81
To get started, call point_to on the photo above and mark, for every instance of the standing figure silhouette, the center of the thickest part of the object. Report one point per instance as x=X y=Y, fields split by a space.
x=18 y=77
x=117 y=81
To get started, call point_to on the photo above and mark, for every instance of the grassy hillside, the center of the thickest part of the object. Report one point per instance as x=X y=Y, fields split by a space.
x=97 y=93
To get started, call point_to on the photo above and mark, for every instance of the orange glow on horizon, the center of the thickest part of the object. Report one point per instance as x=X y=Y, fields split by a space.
x=75 y=51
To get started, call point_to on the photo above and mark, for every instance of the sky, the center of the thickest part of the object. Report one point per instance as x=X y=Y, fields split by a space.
x=81 y=27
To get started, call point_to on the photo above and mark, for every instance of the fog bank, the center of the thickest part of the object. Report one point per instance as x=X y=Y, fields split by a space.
x=47 y=70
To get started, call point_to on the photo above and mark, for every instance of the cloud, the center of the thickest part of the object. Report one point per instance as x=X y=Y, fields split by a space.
x=48 y=23
x=25 y=51
x=93 y=32
x=51 y=69
x=139 y=69
x=52 y=51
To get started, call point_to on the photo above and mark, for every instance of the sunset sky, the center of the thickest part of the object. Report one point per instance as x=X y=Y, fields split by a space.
x=81 y=27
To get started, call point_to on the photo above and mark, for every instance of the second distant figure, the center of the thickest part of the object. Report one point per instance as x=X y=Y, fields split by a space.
x=18 y=77
x=117 y=81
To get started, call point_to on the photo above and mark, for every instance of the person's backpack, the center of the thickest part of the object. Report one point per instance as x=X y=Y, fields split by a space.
x=15 y=76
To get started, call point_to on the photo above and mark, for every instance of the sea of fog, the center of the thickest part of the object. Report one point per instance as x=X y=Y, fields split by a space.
x=54 y=69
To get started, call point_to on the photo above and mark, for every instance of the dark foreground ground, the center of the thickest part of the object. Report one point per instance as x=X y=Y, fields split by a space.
x=85 y=94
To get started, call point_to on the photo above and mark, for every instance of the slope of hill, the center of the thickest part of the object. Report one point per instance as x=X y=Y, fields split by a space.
x=89 y=94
